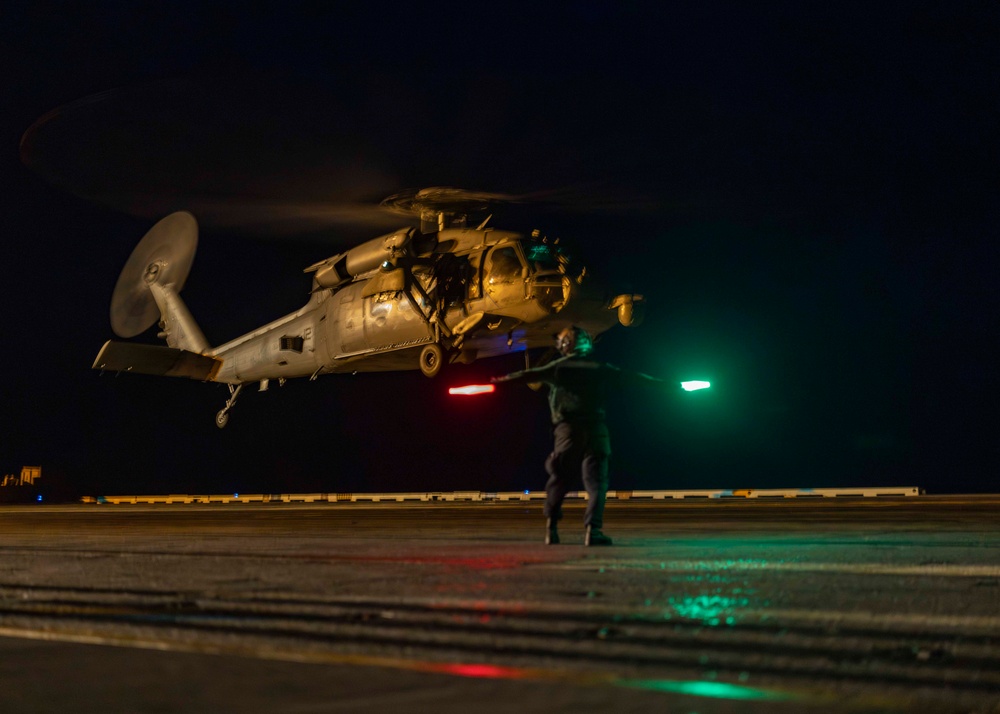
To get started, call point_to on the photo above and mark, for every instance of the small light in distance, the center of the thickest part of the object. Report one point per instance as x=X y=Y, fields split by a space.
x=695 y=385
x=471 y=389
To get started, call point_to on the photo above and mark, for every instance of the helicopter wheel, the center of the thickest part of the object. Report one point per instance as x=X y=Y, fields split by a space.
x=431 y=359
x=222 y=418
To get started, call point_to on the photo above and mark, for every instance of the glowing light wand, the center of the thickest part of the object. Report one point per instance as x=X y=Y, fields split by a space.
x=695 y=385
x=473 y=389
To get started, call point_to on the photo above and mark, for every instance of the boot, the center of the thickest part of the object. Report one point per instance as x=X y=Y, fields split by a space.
x=551 y=532
x=595 y=537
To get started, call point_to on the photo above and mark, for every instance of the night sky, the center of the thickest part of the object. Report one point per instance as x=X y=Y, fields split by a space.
x=806 y=194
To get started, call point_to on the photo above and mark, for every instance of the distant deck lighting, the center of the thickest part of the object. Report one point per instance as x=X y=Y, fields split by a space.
x=473 y=389
x=695 y=385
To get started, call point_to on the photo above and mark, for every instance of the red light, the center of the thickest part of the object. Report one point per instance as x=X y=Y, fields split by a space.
x=471 y=389
x=481 y=671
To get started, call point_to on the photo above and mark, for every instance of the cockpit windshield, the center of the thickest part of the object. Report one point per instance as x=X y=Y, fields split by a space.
x=543 y=256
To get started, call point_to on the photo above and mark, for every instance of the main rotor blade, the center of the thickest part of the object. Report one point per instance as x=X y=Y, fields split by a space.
x=261 y=154
x=274 y=155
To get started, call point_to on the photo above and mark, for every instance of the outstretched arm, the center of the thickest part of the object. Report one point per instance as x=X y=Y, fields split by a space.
x=641 y=378
x=630 y=378
x=532 y=374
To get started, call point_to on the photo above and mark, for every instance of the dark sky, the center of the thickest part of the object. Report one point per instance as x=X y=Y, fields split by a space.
x=806 y=194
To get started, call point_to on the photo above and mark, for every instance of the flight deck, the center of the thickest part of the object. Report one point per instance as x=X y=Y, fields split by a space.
x=707 y=604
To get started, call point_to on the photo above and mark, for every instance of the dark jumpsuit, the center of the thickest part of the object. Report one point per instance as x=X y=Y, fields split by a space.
x=578 y=389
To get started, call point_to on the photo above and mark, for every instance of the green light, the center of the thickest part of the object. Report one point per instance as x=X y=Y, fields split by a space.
x=695 y=385
x=714 y=690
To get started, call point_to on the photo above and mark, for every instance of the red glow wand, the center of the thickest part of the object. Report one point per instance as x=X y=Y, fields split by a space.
x=471 y=389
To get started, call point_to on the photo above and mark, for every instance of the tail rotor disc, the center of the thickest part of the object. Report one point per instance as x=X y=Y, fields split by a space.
x=163 y=256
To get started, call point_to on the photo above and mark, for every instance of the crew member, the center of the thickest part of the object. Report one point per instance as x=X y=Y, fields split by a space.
x=578 y=388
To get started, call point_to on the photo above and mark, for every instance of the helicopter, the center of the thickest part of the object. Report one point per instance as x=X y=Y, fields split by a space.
x=414 y=298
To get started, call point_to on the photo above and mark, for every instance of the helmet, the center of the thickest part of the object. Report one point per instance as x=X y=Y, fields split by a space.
x=574 y=340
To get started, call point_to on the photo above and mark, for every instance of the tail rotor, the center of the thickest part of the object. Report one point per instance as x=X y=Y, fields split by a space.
x=149 y=285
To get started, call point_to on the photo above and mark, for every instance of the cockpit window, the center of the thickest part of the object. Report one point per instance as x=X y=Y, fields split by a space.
x=504 y=267
x=543 y=256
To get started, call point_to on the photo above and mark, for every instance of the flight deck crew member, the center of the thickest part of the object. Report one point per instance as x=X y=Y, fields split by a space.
x=578 y=389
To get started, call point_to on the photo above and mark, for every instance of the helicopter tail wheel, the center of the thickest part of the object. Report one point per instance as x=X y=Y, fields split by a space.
x=431 y=359
x=222 y=418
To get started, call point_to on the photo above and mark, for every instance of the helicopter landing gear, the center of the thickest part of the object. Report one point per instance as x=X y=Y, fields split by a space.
x=222 y=418
x=431 y=359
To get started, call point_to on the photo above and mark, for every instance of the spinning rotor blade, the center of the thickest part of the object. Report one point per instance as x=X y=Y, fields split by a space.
x=270 y=155
x=262 y=155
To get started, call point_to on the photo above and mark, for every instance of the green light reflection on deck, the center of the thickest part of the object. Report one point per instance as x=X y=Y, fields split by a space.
x=714 y=690
x=712 y=610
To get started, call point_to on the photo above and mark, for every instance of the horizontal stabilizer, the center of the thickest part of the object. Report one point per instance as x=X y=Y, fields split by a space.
x=156 y=360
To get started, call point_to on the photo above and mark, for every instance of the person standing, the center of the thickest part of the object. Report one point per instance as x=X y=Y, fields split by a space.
x=578 y=389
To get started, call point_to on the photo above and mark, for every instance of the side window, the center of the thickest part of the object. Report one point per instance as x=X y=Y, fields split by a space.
x=504 y=277
x=505 y=268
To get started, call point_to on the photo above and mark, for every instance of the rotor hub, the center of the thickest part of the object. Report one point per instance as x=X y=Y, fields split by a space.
x=443 y=207
x=152 y=271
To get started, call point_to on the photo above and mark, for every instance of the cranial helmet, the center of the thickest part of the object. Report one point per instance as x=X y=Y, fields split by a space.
x=574 y=340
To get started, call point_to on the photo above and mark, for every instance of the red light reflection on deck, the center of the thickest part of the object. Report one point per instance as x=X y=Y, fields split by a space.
x=481 y=671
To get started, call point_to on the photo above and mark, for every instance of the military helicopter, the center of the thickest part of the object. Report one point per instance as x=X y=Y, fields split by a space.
x=415 y=298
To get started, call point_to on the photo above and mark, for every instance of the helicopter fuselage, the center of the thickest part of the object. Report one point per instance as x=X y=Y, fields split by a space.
x=485 y=292
x=405 y=300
